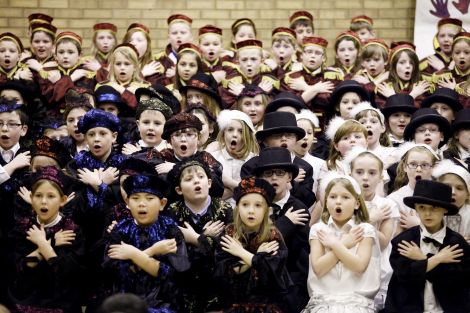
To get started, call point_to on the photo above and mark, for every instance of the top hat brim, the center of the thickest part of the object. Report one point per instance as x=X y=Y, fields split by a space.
x=411 y=201
x=444 y=126
x=387 y=111
x=290 y=167
x=453 y=103
x=459 y=125
x=262 y=134
x=279 y=103
x=336 y=96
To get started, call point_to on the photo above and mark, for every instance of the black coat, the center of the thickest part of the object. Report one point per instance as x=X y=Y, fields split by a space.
x=451 y=281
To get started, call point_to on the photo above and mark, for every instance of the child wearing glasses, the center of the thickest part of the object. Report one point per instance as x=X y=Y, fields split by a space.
x=291 y=217
x=417 y=161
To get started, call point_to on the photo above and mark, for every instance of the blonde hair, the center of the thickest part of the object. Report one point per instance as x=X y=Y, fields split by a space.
x=384 y=139
x=147 y=57
x=248 y=138
x=289 y=39
x=130 y=55
x=264 y=231
x=349 y=126
x=402 y=178
x=369 y=154
x=360 y=214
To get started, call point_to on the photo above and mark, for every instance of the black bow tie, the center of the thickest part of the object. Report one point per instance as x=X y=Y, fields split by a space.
x=436 y=243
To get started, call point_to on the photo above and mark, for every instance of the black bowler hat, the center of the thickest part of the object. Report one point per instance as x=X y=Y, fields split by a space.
x=162 y=93
x=273 y=158
x=462 y=120
x=444 y=95
x=204 y=83
x=278 y=123
x=399 y=102
x=433 y=193
x=348 y=86
x=286 y=99
x=427 y=115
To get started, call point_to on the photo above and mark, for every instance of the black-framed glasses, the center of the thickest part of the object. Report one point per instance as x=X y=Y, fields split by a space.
x=278 y=172
x=424 y=166
x=10 y=125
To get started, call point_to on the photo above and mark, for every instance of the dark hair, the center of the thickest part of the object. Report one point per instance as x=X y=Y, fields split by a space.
x=123 y=303
x=302 y=22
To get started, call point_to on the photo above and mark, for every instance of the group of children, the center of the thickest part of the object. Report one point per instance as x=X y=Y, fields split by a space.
x=204 y=179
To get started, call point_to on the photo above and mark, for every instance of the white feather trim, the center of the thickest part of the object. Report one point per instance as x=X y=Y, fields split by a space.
x=308 y=115
x=365 y=105
x=333 y=127
x=226 y=116
x=449 y=167
x=331 y=175
x=408 y=145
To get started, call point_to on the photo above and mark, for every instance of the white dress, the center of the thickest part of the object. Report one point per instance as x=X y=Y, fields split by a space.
x=342 y=290
x=386 y=270
x=398 y=196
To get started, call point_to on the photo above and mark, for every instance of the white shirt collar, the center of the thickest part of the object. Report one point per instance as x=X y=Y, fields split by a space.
x=15 y=149
x=53 y=223
x=439 y=235
x=346 y=227
x=284 y=200
x=204 y=210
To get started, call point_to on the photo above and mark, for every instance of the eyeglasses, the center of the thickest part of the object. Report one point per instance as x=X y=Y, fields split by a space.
x=180 y=134
x=424 y=166
x=277 y=172
x=10 y=125
x=422 y=130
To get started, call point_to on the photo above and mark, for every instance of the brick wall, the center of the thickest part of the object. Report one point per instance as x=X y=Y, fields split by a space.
x=394 y=19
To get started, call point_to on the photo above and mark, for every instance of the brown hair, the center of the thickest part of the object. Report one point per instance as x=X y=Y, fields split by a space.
x=41 y=182
x=147 y=57
x=415 y=74
x=264 y=230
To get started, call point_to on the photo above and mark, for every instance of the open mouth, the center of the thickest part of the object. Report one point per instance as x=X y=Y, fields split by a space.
x=183 y=148
x=338 y=210
x=369 y=133
x=418 y=177
x=462 y=62
x=150 y=135
x=304 y=145
x=197 y=189
x=44 y=210
x=347 y=61
x=142 y=213
x=211 y=53
x=178 y=42
x=428 y=141
x=407 y=73
x=4 y=137
x=275 y=185
x=284 y=145
x=7 y=61
x=233 y=144
x=281 y=58
x=96 y=147
x=249 y=70
x=452 y=200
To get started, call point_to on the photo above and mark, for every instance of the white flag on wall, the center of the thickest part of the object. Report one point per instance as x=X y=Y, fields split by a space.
x=428 y=13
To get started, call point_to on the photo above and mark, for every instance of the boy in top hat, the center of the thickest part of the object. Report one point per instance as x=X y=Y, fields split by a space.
x=429 y=127
x=431 y=262
x=363 y=26
x=151 y=242
x=247 y=71
x=445 y=101
x=281 y=130
x=286 y=102
x=397 y=112
x=179 y=32
x=291 y=217
x=447 y=28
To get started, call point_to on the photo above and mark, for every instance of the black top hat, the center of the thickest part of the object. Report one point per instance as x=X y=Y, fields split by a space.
x=348 y=86
x=107 y=94
x=399 y=102
x=286 y=99
x=254 y=185
x=433 y=193
x=275 y=157
x=162 y=93
x=427 y=115
x=278 y=123
x=204 y=83
x=444 y=95
x=462 y=120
